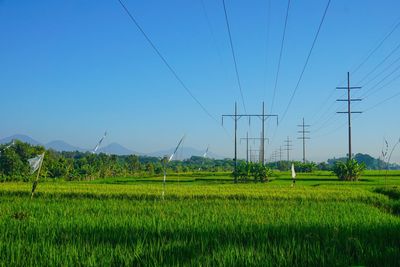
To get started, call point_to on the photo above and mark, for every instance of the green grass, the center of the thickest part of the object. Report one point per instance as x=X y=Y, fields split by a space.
x=201 y=222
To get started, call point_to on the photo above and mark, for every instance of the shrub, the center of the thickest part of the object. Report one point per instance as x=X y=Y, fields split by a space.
x=257 y=171
x=349 y=170
x=260 y=172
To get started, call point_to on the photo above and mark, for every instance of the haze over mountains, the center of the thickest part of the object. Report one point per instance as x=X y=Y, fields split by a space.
x=112 y=148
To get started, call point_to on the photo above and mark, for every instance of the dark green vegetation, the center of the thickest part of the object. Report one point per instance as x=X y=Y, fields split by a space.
x=203 y=220
x=87 y=166
x=350 y=170
x=256 y=172
x=92 y=215
x=75 y=166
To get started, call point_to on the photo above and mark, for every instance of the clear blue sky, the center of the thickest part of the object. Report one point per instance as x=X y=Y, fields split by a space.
x=71 y=69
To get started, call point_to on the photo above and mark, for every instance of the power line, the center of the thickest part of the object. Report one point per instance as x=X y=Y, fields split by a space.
x=383 y=101
x=171 y=69
x=368 y=56
x=234 y=56
x=370 y=91
x=377 y=47
x=267 y=46
x=383 y=71
x=332 y=131
x=380 y=63
x=210 y=28
x=388 y=83
x=370 y=108
x=366 y=110
x=308 y=58
x=323 y=125
x=324 y=114
x=280 y=55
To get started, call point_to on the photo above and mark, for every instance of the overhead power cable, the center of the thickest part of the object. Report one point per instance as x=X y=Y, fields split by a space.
x=379 y=64
x=304 y=68
x=382 y=72
x=306 y=63
x=383 y=101
x=373 y=51
x=365 y=95
x=170 y=68
x=234 y=56
x=371 y=90
x=368 y=56
x=267 y=47
x=280 y=55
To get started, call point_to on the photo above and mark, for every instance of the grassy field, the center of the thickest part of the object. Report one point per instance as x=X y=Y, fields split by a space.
x=203 y=221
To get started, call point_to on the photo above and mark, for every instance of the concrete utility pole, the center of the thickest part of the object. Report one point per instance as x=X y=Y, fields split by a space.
x=273 y=156
x=236 y=117
x=247 y=147
x=263 y=117
x=253 y=154
x=247 y=138
x=349 y=112
x=288 y=146
x=303 y=131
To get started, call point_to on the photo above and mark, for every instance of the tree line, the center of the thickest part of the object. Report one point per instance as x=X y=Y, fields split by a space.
x=14 y=164
x=88 y=166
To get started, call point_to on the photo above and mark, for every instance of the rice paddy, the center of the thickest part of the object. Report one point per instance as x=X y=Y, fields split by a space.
x=205 y=222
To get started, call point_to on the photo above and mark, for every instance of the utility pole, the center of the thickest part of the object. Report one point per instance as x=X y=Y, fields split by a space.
x=247 y=147
x=253 y=156
x=280 y=153
x=272 y=157
x=236 y=118
x=247 y=138
x=349 y=112
x=288 y=145
x=275 y=158
x=303 y=132
x=263 y=117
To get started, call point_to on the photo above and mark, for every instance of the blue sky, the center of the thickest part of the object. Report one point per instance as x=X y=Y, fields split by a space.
x=72 y=69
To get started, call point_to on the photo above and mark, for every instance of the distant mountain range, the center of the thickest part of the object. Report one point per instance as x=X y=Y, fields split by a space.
x=117 y=149
x=60 y=145
x=21 y=137
x=184 y=153
x=113 y=148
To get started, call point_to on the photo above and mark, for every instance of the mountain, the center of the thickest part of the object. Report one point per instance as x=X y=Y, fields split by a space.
x=117 y=149
x=59 y=145
x=113 y=148
x=370 y=162
x=20 y=137
x=184 y=153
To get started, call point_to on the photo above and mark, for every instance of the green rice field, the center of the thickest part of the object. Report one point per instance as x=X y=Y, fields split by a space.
x=203 y=221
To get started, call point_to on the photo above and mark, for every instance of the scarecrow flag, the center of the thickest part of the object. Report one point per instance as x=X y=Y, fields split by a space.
x=99 y=143
x=35 y=163
x=293 y=172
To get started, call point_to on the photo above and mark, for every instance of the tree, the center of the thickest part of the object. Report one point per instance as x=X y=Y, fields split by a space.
x=150 y=169
x=12 y=167
x=243 y=171
x=260 y=172
x=349 y=170
x=133 y=164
